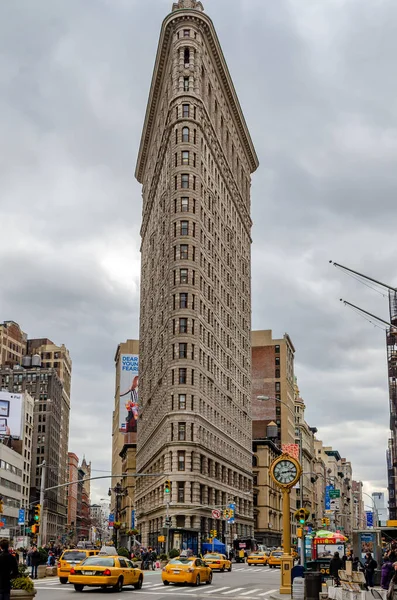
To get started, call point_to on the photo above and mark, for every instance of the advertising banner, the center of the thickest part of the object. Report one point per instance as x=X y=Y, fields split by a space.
x=10 y=414
x=328 y=488
x=367 y=543
x=328 y=550
x=128 y=415
x=370 y=518
x=21 y=516
x=133 y=519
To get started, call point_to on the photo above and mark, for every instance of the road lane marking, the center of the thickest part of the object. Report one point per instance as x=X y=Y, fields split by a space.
x=251 y=592
x=214 y=590
x=233 y=591
x=267 y=593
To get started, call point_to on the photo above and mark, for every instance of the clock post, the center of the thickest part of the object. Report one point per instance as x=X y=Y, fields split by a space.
x=285 y=472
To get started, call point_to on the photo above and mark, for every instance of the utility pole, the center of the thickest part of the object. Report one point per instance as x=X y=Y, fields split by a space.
x=41 y=535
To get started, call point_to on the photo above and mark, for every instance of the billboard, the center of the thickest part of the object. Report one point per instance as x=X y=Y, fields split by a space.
x=10 y=414
x=128 y=408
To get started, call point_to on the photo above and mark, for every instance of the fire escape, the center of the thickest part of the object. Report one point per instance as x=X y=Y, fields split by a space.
x=391 y=341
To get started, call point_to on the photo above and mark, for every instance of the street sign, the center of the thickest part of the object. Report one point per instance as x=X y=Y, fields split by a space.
x=232 y=513
x=334 y=502
x=161 y=538
x=3 y=523
x=216 y=514
x=334 y=494
x=370 y=518
x=133 y=519
x=111 y=520
x=21 y=516
x=328 y=489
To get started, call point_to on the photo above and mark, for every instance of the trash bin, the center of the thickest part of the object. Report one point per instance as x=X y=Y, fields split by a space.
x=313 y=585
x=377 y=576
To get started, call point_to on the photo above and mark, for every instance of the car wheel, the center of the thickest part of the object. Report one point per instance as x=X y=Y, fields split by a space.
x=78 y=587
x=119 y=585
x=63 y=579
x=209 y=580
x=198 y=580
x=166 y=582
x=223 y=569
x=139 y=583
x=230 y=568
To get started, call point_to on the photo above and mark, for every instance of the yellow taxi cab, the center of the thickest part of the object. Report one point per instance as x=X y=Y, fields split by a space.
x=186 y=570
x=274 y=559
x=257 y=558
x=106 y=571
x=217 y=561
x=70 y=558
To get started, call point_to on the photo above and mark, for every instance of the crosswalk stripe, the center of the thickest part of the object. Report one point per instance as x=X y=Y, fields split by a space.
x=233 y=591
x=267 y=593
x=216 y=590
x=251 y=592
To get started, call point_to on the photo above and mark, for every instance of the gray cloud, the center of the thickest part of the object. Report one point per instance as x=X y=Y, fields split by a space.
x=314 y=83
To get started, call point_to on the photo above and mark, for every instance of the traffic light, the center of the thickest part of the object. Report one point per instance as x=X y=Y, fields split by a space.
x=167 y=487
x=1 y=505
x=37 y=510
x=324 y=522
x=302 y=516
x=213 y=533
x=33 y=528
x=327 y=521
x=168 y=521
x=299 y=532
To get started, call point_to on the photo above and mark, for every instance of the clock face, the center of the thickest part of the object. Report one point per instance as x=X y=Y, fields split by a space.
x=285 y=472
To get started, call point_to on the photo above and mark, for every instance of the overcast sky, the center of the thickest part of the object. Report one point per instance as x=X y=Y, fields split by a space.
x=316 y=83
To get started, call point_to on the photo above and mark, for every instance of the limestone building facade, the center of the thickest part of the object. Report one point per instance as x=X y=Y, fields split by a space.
x=195 y=163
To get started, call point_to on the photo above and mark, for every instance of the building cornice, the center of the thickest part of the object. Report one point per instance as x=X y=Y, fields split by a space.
x=157 y=79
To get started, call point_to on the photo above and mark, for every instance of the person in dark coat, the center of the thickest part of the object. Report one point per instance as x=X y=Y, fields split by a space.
x=34 y=561
x=357 y=564
x=369 y=570
x=8 y=570
x=335 y=566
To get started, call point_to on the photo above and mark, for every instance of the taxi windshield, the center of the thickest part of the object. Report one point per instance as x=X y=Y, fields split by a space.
x=74 y=556
x=207 y=556
x=182 y=560
x=277 y=553
x=257 y=554
x=99 y=561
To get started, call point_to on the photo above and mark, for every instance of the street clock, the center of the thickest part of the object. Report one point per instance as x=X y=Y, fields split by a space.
x=285 y=471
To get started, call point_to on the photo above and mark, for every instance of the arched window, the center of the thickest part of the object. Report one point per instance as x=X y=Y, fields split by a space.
x=185 y=134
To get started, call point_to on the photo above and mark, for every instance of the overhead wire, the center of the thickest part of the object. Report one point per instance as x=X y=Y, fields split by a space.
x=360 y=280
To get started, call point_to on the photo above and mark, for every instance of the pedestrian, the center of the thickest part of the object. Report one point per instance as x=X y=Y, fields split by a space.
x=51 y=559
x=153 y=559
x=334 y=567
x=144 y=557
x=387 y=573
x=34 y=561
x=369 y=569
x=8 y=570
x=357 y=564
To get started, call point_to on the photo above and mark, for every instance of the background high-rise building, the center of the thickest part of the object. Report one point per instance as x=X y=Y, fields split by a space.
x=43 y=370
x=195 y=163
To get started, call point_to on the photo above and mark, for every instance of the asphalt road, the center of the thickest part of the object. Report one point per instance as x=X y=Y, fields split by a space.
x=243 y=583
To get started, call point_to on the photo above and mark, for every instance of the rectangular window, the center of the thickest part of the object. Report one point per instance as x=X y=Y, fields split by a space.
x=186 y=33
x=185 y=134
x=181 y=461
x=176 y=159
x=182 y=325
x=184 y=227
x=277 y=361
x=186 y=84
x=184 y=204
x=185 y=157
x=278 y=387
x=183 y=300
x=277 y=349
x=182 y=402
x=185 y=110
x=277 y=374
x=185 y=181
x=181 y=491
x=183 y=251
x=176 y=182
x=182 y=376
x=181 y=432
x=183 y=276
x=182 y=350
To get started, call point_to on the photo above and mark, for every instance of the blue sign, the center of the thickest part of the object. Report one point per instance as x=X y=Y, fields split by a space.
x=111 y=520
x=133 y=519
x=370 y=518
x=327 y=504
x=21 y=516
